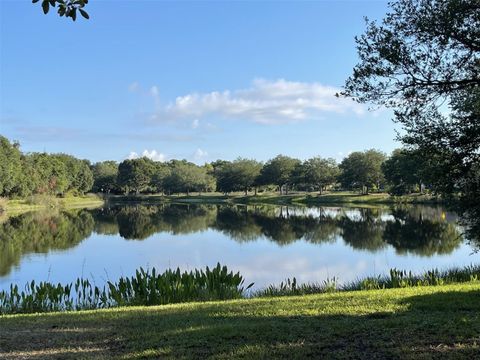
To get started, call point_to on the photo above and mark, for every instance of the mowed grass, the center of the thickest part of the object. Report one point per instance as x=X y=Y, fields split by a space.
x=18 y=206
x=419 y=322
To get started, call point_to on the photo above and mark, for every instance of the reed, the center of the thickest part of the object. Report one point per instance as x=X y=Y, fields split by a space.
x=144 y=288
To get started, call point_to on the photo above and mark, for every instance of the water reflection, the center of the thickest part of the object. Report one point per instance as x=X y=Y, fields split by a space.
x=40 y=233
x=422 y=231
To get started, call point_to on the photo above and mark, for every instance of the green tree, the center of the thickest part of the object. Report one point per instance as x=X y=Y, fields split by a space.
x=185 y=177
x=403 y=171
x=160 y=174
x=279 y=171
x=105 y=175
x=48 y=174
x=134 y=175
x=10 y=166
x=423 y=59
x=239 y=175
x=320 y=173
x=363 y=170
x=78 y=172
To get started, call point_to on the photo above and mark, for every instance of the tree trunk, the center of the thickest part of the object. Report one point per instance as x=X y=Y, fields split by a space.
x=246 y=191
x=255 y=191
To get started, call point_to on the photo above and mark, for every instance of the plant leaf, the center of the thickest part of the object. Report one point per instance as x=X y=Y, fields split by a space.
x=84 y=14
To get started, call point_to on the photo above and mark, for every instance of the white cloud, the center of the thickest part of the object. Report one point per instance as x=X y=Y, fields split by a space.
x=199 y=154
x=133 y=87
x=153 y=155
x=195 y=123
x=266 y=102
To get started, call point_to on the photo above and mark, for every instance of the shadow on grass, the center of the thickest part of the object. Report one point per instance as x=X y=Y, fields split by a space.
x=438 y=325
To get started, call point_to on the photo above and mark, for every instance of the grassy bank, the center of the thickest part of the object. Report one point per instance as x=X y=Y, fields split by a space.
x=419 y=322
x=17 y=206
x=332 y=198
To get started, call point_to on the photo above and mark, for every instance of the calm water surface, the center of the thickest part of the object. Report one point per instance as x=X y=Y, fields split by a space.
x=265 y=243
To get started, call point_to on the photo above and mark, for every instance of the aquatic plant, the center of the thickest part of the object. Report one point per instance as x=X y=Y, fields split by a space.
x=291 y=287
x=173 y=286
x=144 y=288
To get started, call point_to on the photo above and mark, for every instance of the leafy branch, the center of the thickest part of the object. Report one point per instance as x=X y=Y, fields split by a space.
x=67 y=8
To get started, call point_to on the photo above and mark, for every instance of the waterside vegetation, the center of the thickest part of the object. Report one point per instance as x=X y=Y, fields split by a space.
x=149 y=288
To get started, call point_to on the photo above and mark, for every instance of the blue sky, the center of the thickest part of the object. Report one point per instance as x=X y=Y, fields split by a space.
x=195 y=80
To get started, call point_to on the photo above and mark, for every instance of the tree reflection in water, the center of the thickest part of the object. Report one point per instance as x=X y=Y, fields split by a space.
x=423 y=231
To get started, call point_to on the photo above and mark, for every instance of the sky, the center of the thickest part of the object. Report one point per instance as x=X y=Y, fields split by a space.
x=196 y=80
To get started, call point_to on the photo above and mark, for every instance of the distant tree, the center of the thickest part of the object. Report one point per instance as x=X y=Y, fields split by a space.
x=185 y=177
x=10 y=166
x=279 y=171
x=67 y=8
x=363 y=170
x=320 y=173
x=78 y=172
x=239 y=175
x=105 y=176
x=48 y=174
x=403 y=171
x=159 y=176
x=135 y=174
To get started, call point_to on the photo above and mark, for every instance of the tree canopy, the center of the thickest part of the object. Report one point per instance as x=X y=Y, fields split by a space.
x=423 y=60
x=363 y=170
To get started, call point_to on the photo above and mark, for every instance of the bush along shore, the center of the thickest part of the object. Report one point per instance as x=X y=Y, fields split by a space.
x=148 y=288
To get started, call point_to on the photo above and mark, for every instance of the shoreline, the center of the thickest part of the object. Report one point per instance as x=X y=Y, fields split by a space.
x=19 y=206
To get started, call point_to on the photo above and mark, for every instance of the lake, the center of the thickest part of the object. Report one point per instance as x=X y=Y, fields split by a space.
x=267 y=244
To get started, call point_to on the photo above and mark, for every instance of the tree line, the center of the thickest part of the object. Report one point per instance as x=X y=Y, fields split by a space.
x=405 y=171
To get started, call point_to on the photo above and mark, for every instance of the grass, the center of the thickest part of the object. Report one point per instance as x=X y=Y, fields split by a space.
x=18 y=206
x=417 y=322
x=298 y=198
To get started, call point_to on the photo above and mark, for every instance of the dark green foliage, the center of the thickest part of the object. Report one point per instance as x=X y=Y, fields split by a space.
x=41 y=173
x=422 y=50
x=363 y=170
x=67 y=8
x=105 y=176
x=10 y=167
x=279 y=171
x=320 y=173
x=185 y=177
x=239 y=175
x=134 y=175
x=144 y=288
x=423 y=57
x=405 y=171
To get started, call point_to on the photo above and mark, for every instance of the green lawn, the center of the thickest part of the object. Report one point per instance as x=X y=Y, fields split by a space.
x=419 y=322
x=17 y=206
